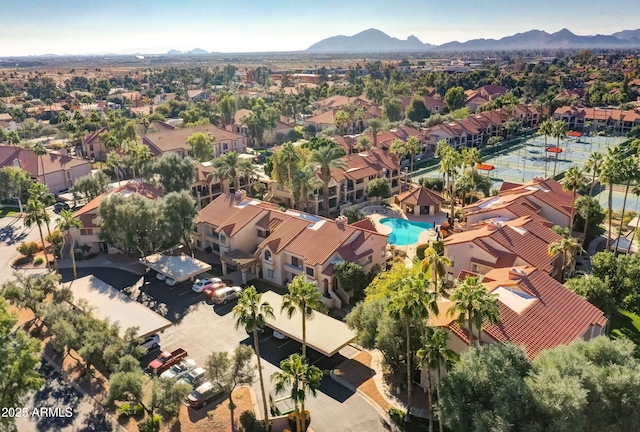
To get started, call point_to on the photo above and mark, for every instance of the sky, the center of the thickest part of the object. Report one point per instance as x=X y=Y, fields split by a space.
x=34 y=27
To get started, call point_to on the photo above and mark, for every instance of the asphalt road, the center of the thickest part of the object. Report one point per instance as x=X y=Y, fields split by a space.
x=12 y=233
x=201 y=328
x=57 y=406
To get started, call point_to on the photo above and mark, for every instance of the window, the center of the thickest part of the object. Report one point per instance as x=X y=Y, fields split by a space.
x=271 y=274
x=216 y=247
x=198 y=243
x=261 y=234
x=90 y=147
x=267 y=255
x=295 y=262
x=225 y=146
x=86 y=231
x=223 y=239
x=309 y=271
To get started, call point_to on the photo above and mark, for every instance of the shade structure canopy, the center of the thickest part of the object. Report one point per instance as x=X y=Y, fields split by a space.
x=324 y=334
x=574 y=134
x=554 y=149
x=485 y=167
x=178 y=267
x=110 y=303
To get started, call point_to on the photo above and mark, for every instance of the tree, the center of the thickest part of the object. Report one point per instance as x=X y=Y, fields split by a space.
x=180 y=212
x=21 y=355
x=436 y=265
x=363 y=144
x=351 y=277
x=567 y=247
x=374 y=89
x=595 y=291
x=397 y=149
x=573 y=181
x=127 y=383
x=628 y=172
x=434 y=355
x=412 y=302
x=546 y=129
x=231 y=372
x=260 y=120
x=172 y=173
x=27 y=292
x=354 y=215
x=226 y=168
x=201 y=146
x=305 y=181
x=455 y=98
x=610 y=175
x=413 y=148
x=115 y=162
x=417 y=110
x=392 y=108
x=559 y=131
x=511 y=126
x=590 y=214
x=375 y=126
x=36 y=214
x=472 y=305
x=40 y=150
x=593 y=164
x=300 y=377
x=251 y=312
x=379 y=188
x=486 y=391
x=290 y=159
x=65 y=223
x=303 y=297
x=324 y=160
x=168 y=396
x=450 y=161
x=14 y=184
x=226 y=105
x=90 y=186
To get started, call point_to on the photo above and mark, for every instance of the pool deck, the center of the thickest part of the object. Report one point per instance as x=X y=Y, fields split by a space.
x=377 y=212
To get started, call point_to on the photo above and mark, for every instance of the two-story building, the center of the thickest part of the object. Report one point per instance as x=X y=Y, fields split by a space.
x=175 y=141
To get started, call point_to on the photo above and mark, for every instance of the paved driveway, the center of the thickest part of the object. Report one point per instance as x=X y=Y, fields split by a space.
x=12 y=233
x=201 y=329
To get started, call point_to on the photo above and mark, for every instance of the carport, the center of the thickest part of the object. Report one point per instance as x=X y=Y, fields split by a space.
x=324 y=334
x=179 y=267
x=117 y=307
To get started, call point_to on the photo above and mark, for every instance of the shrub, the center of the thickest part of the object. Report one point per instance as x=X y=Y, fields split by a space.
x=39 y=260
x=420 y=251
x=79 y=256
x=436 y=184
x=439 y=247
x=248 y=420
x=150 y=424
x=127 y=410
x=29 y=249
x=291 y=419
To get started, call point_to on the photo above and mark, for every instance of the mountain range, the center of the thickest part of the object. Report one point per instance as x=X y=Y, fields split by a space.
x=374 y=40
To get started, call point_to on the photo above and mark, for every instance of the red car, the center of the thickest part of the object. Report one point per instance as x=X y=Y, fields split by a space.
x=213 y=288
x=165 y=361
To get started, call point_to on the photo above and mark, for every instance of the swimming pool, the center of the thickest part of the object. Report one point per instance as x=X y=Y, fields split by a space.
x=404 y=232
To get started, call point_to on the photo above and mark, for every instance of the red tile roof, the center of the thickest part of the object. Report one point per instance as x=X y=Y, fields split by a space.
x=28 y=161
x=420 y=196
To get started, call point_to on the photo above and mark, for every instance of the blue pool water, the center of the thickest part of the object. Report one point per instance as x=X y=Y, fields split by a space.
x=404 y=232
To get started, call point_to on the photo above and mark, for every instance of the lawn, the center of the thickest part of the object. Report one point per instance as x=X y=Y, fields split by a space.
x=5 y=211
x=625 y=324
x=263 y=286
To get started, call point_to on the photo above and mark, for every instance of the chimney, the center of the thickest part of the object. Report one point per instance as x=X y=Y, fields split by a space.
x=242 y=194
x=341 y=221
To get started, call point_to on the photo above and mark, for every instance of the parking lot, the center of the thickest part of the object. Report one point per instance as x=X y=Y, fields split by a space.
x=202 y=328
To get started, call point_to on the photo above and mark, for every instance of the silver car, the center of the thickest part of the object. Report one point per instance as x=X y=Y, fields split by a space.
x=193 y=378
x=179 y=370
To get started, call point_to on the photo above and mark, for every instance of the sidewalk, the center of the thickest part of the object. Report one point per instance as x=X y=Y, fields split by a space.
x=120 y=261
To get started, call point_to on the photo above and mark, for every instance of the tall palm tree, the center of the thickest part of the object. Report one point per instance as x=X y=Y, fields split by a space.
x=36 y=214
x=41 y=193
x=436 y=264
x=636 y=191
x=65 y=223
x=250 y=313
x=297 y=374
x=450 y=162
x=609 y=174
x=325 y=159
x=247 y=170
x=546 y=129
x=363 y=144
x=559 y=131
x=375 y=126
x=573 y=181
x=629 y=173
x=398 y=149
x=40 y=150
x=434 y=355
x=290 y=158
x=474 y=305
x=568 y=247
x=226 y=168
x=412 y=304
x=412 y=148
x=305 y=181
x=303 y=297
x=593 y=164
x=114 y=161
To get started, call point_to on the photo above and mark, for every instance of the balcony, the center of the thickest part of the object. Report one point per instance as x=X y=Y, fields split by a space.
x=293 y=269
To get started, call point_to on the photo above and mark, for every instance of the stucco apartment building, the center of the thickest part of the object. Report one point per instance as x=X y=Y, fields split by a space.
x=258 y=238
x=57 y=171
x=618 y=121
x=536 y=312
x=175 y=141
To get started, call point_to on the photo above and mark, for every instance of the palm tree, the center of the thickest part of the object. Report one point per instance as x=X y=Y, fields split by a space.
x=412 y=303
x=474 y=305
x=300 y=377
x=375 y=126
x=65 y=223
x=41 y=193
x=36 y=214
x=511 y=126
x=629 y=172
x=363 y=144
x=609 y=174
x=250 y=313
x=568 y=247
x=303 y=296
x=226 y=168
x=593 y=164
x=40 y=150
x=559 y=131
x=636 y=191
x=398 y=149
x=325 y=159
x=412 y=148
x=114 y=161
x=546 y=129
x=450 y=161
x=573 y=181
x=436 y=264
x=434 y=355
x=247 y=170
x=290 y=158
x=305 y=181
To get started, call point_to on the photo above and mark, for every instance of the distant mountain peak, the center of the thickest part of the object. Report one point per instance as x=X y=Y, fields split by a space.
x=370 y=40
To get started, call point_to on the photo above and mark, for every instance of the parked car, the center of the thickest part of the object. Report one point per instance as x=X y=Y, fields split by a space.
x=201 y=284
x=178 y=370
x=59 y=206
x=151 y=342
x=194 y=378
x=204 y=394
x=165 y=361
x=161 y=276
x=226 y=294
x=171 y=282
x=278 y=335
x=211 y=289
